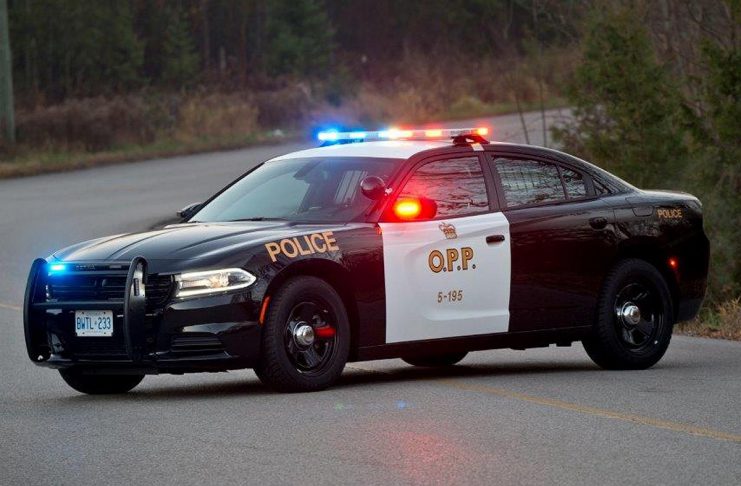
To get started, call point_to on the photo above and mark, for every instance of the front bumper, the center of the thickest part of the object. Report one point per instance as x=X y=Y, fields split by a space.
x=212 y=333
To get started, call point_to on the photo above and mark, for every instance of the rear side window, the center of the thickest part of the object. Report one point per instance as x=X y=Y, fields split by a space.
x=529 y=182
x=456 y=185
x=600 y=188
x=574 y=183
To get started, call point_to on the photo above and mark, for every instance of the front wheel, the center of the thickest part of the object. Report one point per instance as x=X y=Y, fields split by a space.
x=100 y=384
x=634 y=318
x=305 y=338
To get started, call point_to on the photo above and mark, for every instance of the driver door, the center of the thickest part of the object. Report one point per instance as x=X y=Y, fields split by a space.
x=447 y=276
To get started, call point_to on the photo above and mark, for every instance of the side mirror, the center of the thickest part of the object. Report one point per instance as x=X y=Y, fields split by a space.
x=373 y=187
x=189 y=210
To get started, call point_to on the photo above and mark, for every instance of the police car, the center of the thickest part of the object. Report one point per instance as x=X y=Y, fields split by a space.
x=418 y=244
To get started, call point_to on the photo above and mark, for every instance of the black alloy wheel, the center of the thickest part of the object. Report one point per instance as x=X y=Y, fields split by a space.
x=639 y=315
x=305 y=337
x=634 y=320
x=310 y=340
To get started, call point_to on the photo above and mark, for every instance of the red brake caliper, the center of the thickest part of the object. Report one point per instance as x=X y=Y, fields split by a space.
x=325 y=332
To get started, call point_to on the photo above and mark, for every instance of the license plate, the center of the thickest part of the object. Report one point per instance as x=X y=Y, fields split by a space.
x=94 y=323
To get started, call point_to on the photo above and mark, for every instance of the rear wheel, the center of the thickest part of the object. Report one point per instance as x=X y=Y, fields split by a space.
x=634 y=318
x=439 y=360
x=100 y=384
x=305 y=338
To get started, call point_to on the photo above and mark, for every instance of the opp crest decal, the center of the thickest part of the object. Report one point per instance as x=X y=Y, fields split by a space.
x=448 y=230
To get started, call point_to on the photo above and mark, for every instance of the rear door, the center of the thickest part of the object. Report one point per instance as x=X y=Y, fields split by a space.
x=450 y=275
x=563 y=241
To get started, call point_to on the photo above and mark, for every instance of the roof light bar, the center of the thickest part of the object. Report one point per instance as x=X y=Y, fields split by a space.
x=400 y=134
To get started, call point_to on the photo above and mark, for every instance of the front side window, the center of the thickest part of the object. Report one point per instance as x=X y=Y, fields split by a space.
x=529 y=182
x=456 y=186
x=321 y=190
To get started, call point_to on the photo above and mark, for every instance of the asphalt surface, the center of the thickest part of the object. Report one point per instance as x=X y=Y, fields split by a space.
x=541 y=416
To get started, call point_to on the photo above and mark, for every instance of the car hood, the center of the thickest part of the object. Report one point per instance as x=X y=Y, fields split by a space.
x=196 y=243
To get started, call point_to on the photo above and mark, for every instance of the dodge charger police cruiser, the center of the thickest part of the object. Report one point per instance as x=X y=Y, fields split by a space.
x=418 y=244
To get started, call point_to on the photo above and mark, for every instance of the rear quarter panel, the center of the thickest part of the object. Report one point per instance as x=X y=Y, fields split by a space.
x=663 y=226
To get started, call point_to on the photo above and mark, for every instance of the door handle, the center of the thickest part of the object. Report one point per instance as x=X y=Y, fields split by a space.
x=494 y=239
x=598 y=223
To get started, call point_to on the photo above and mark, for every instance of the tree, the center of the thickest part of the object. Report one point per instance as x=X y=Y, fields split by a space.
x=7 y=115
x=626 y=108
x=75 y=47
x=299 y=39
x=180 y=58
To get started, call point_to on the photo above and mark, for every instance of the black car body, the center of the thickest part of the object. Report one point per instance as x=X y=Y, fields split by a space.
x=401 y=282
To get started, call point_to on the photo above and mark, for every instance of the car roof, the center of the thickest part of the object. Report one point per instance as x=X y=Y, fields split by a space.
x=391 y=149
x=404 y=149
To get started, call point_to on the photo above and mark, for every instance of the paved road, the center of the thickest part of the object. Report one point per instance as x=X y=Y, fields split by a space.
x=534 y=417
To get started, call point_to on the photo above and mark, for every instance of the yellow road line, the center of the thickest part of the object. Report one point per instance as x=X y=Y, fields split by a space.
x=599 y=412
x=8 y=306
x=584 y=409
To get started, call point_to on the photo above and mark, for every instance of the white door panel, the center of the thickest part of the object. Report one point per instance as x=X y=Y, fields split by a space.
x=440 y=285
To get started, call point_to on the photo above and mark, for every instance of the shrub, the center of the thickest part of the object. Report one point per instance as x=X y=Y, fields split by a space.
x=288 y=107
x=216 y=115
x=90 y=123
x=722 y=321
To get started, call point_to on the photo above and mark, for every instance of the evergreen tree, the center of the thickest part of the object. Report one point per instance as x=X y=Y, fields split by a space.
x=75 y=47
x=299 y=38
x=121 y=54
x=627 y=111
x=179 y=56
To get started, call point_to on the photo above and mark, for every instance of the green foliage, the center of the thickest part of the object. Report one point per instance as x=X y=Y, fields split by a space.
x=627 y=110
x=299 y=39
x=179 y=58
x=718 y=152
x=75 y=46
x=636 y=120
x=723 y=97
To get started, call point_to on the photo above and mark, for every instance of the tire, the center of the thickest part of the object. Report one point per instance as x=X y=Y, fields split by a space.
x=100 y=384
x=437 y=361
x=621 y=339
x=288 y=362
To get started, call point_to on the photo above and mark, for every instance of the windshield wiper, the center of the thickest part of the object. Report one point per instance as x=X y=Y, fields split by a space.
x=258 y=218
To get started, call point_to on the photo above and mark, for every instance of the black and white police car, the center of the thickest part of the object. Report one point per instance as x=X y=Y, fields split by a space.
x=418 y=244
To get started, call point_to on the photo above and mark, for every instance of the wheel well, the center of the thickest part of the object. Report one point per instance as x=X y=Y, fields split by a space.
x=659 y=259
x=333 y=274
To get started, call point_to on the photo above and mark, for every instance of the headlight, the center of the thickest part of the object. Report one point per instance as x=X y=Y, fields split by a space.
x=212 y=281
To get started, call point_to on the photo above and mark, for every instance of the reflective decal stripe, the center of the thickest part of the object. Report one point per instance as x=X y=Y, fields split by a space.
x=447 y=278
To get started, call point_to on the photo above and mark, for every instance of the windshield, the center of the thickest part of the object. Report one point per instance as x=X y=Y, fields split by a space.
x=316 y=190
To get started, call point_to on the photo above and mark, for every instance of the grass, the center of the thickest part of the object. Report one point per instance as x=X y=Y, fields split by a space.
x=469 y=107
x=722 y=322
x=29 y=162
x=34 y=161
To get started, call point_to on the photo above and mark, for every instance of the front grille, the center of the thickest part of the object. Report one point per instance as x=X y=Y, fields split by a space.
x=100 y=286
x=104 y=347
x=196 y=344
x=64 y=341
x=159 y=288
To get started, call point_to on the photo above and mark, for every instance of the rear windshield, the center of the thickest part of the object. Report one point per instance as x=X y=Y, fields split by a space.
x=311 y=190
